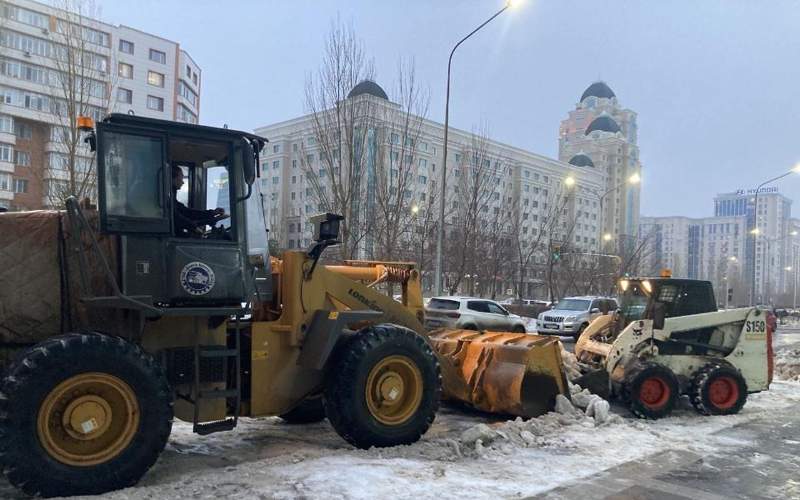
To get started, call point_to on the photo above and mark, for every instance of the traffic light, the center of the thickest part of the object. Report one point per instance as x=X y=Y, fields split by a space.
x=556 y=251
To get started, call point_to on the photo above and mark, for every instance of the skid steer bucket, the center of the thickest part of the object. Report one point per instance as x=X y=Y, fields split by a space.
x=498 y=372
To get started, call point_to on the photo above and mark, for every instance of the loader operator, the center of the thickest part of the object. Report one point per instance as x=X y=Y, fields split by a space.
x=190 y=221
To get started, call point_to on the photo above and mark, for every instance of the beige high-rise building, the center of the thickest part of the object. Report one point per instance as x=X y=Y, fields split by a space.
x=599 y=133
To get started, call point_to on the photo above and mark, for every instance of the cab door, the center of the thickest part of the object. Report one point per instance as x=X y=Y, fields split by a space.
x=132 y=177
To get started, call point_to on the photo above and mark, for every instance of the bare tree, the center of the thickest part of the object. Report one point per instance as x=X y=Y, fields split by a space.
x=342 y=130
x=84 y=84
x=397 y=170
x=474 y=185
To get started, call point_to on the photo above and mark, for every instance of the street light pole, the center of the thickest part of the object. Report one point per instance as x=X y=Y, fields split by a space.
x=440 y=235
x=632 y=180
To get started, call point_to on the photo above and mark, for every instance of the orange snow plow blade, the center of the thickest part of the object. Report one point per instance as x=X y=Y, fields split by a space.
x=498 y=372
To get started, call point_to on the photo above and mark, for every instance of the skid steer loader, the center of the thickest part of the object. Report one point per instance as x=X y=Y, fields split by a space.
x=122 y=318
x=668 y=339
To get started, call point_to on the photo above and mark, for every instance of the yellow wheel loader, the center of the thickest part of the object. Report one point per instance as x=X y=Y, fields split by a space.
x=668 y=339
x=164 y=303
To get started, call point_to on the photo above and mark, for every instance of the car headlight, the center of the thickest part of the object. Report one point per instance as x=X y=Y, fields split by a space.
x=569 y=319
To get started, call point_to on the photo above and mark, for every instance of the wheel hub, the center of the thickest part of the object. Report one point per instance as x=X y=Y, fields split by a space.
x=394 y=390
x=723 y=392
x=88 y=419
x=654 y=392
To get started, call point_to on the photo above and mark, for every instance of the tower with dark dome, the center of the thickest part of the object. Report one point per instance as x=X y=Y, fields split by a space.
x=599 y=133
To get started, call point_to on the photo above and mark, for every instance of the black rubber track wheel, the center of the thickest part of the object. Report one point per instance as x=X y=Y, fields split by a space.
x=362 y=359
x=652 y=391
x=309 y=411
x=29 y=384
x=718 y=389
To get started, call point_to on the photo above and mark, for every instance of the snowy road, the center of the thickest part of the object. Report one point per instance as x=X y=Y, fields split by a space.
x=461 y=455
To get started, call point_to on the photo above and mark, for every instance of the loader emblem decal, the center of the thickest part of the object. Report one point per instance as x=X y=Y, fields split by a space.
x=197 y=278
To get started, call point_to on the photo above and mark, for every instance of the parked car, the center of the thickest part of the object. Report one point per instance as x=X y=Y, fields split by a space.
x=571 y=315
x=471 y=313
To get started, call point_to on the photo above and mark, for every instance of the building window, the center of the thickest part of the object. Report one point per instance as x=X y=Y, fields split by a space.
x=6 y=124
x=276 y=164
x=23 y=130
x=126 y=96
x=188 y=71
x=155 y=79
x=155 y=103
x=22 y=158
x=158 y=56
x=125 y=46
x=20 y=185
x=6 y=152
x=276 y=148
x=185 y=115
x=125 y=70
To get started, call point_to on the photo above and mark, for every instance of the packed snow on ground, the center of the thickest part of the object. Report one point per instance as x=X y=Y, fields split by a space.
x=463 y=453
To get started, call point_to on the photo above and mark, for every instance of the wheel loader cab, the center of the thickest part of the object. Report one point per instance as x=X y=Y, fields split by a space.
x=175 y=194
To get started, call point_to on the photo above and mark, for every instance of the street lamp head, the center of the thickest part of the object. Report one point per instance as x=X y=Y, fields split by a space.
x=755 y=231
x=569 y=181
x=607 y=237
x=796 y=168
x=414 y=209
x=733 y=258
x=634 y=179
x=788 y=268
x=514 y=3
x=793 y=233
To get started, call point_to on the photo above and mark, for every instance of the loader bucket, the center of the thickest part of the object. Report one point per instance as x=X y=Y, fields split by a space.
x=499 y=372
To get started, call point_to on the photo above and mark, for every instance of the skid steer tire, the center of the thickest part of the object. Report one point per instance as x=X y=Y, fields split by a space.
x=310 y=411
x=82 y=414
x=718 y=389
x=652 y=391
x=383 y=387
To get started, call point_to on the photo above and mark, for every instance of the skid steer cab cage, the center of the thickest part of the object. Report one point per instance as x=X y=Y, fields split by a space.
x=175 y=197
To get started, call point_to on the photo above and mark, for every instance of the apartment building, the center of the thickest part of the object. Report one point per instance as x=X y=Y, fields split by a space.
x=724 y=249
x=122 y=70
x=520 y=181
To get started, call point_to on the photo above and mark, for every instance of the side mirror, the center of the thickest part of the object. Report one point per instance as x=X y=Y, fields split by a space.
x=249 y=162
x=595 y=310
x=659 y=314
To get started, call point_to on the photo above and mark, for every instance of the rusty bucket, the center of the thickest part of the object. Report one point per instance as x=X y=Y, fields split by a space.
x=500 y=372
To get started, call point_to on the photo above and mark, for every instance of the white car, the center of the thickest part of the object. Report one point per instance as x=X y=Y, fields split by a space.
x=471 y=313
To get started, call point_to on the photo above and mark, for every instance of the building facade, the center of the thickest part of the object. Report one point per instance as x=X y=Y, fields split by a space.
x=725 y=249
x=522 y=186
x=600 y=133
x=122 y=70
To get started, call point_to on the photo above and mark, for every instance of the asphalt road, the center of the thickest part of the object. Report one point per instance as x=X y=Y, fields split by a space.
x=763 y=465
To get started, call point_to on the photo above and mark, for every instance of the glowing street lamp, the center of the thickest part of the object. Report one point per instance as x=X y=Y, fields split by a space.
x=569 y=181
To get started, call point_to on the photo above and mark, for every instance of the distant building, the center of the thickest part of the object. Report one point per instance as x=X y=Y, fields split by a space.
x=723 y=248
x=136 y=71
x=602 y=134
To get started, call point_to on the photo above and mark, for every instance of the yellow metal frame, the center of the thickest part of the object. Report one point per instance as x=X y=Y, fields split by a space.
x=279 y=382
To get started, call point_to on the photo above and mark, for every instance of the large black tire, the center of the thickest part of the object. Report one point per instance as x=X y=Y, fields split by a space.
x=519 y=329
x=652 y=390
x=30 y=386
x=358 y=362
x=309 y=411
x=580 y=331
x=718 y=389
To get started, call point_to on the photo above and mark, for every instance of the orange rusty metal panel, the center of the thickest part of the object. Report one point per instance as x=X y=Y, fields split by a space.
x=499 y=372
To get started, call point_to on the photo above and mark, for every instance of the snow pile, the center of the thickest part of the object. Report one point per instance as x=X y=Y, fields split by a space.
x=787 y=363
x=585 y=411
x=570 y=363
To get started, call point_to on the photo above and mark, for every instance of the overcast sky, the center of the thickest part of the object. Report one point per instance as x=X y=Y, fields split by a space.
x=716 y=83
